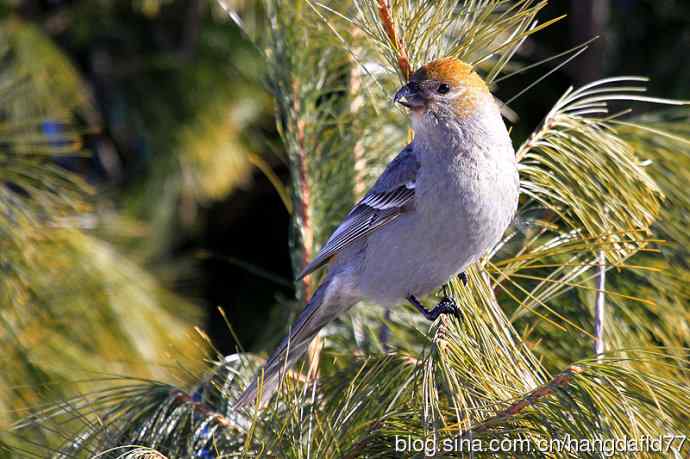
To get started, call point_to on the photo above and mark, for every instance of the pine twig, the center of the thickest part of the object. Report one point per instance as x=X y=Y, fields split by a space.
x=302 y=207
x=204 y=409
x=600 y=307
x=386 y=16
x=356 y=103
x=560 y=381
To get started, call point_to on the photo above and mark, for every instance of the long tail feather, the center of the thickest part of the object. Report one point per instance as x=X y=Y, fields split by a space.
x=313 y=318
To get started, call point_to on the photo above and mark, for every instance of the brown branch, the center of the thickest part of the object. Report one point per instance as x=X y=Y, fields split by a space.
x=356 y=103
x=386 y=16
x=560 y=381
x=356 y=450
x=302 y=206
x=204 y=409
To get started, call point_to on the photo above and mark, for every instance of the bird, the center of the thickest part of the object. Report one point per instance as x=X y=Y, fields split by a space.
x=442 y=203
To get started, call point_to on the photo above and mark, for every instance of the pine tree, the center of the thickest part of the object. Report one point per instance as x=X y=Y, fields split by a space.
x=573 y=327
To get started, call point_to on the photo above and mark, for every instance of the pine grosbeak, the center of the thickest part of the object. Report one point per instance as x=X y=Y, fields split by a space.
x=438 y=206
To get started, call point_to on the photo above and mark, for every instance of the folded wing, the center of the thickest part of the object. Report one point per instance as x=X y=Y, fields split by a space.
x=392 y=194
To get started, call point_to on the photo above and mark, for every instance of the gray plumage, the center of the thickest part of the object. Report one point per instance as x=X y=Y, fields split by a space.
x=386 y=201
x=438 y=206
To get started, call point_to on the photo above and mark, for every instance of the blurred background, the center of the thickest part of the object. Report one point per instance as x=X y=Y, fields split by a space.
x=186 y=209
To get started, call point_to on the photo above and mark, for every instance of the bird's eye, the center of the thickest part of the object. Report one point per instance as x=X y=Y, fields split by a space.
x=443 y=88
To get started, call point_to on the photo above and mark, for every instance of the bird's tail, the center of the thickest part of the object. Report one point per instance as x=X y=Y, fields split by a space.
x=312 y=319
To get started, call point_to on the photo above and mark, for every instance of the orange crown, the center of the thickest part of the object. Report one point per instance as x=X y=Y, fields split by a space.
x=451 y=70
x=458 y=74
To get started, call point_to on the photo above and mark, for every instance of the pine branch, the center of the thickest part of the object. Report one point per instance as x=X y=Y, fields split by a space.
x=303 y=197
x=202 y=408
x=386 y=17
x=559 y=382
x=600 y=307
x=557 y=174
x=357 y=102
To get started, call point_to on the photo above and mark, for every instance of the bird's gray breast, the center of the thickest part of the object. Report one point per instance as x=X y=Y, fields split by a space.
x=465 y=196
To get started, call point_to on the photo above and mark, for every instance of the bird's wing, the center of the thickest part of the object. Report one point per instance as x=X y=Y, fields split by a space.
x=392 y=193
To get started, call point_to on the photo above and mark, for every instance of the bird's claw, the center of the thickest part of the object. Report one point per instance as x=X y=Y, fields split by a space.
x=463 y=277
x=445 y=306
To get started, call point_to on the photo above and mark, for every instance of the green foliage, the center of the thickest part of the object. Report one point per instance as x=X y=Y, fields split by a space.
x=53 y=86
x=663 y=137
x=474 y=31
x=70 y=304
x=593 y=160
x=336 y=139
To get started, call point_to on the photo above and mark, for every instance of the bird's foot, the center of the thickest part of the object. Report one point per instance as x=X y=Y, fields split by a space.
x=445 y=306
x=463 y=277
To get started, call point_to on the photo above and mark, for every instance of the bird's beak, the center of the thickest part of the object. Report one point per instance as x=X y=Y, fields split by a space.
x=410 y=96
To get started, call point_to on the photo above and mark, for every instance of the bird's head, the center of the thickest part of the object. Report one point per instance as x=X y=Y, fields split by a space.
x=444 y=87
